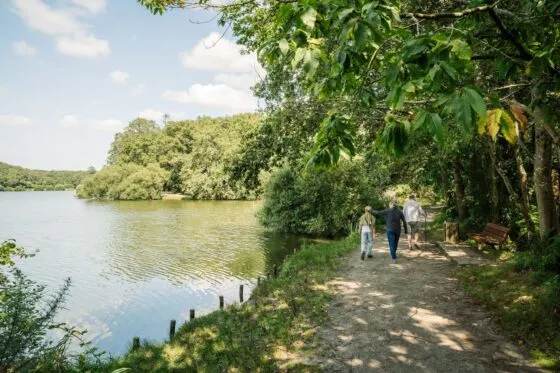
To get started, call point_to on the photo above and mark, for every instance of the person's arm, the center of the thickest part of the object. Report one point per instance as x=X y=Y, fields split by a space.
x=379 y=212
x=422 y=210
x=404 y=223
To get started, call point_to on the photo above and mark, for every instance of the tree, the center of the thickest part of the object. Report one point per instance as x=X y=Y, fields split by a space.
x=425 y=64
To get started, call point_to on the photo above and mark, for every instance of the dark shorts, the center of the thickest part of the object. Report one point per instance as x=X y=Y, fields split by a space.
x=413 y=227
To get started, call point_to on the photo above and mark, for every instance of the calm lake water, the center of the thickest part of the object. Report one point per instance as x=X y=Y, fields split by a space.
x=136 y=265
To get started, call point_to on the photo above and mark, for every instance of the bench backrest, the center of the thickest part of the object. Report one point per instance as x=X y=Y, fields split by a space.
x=496 y=231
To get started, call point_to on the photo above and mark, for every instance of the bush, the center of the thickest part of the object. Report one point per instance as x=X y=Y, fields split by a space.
x=124 y=182
x=323 y=202
x=28 y=341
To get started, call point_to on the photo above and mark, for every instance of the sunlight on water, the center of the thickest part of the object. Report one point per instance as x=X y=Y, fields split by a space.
x=136 y=265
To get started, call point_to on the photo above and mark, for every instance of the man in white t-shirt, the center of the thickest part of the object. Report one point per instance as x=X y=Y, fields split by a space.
x=412 y=212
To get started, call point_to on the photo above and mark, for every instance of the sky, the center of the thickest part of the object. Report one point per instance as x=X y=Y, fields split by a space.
x=75 y=72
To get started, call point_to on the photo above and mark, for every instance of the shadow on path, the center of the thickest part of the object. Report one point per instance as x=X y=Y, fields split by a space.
x=409 y=317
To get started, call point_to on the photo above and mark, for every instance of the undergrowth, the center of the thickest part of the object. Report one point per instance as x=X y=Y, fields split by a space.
x=524 y=302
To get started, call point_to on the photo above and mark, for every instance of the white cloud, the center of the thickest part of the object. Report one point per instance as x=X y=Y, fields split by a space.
x=157 y=115
x=213 y=53
x=215 y=95
x=70 y=121
x=21 y=48
x=237 y=81
x=13 y=120
x=3 y=90
x=108 y=125
x=118 y=76
x=94 y=6
x=40 y=16
x=139 y=89
x=151 y=114
x=83 y=46
x=73 y=37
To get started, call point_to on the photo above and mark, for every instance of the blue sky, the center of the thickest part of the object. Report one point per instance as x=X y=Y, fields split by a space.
x=74 y=72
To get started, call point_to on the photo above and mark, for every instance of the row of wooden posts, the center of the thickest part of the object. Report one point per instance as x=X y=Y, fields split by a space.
x=173 y=323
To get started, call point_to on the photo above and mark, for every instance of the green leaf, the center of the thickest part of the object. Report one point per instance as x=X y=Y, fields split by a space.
x=476 y=101
x=461 y=49
x=311 y=62
x=409 y=87
x=420 y=119
x=493 y=123
x=393 y=11
x=463 y=113
x=309 y=17
x=414 y=49
x=361 y=35
x=508 y=128
x=433 y=71
x=300 y=37
x=298 y=57
x=437 y=127
x=450 y=71
x=345 y=13
x=284 y=46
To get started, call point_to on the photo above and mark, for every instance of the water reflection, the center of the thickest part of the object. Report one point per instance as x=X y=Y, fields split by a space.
x=136 y=265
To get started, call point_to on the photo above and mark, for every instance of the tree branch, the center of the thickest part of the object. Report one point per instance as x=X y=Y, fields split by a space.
x=444 y=15
x=506 y=34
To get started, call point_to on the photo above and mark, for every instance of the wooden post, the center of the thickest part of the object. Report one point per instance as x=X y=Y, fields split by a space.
x=275 y=271
x=221 y=301
x=135 y=343
x=295 y=250
x=258 y=280
x=240 y=293
x=451 y=232
x=191 y=315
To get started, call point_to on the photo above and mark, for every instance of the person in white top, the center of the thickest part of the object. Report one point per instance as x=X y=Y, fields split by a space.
x=412 y=212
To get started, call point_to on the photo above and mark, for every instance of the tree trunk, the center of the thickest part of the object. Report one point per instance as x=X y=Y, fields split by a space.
x=494 y=198
x=548 y=220
x=444 y=181
x=525 y=206
x=459 y=190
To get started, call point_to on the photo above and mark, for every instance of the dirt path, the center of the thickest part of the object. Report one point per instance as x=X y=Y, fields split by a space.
x=409 y=317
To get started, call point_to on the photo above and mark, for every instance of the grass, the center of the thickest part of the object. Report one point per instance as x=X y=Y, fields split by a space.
x=526 y=304
x=273 y=331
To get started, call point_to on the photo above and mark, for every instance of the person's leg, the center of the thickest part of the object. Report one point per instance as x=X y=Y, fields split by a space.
x=391 y=237
x=369 y=244
x=397 y=236
x=409 y=236
x=363 y=246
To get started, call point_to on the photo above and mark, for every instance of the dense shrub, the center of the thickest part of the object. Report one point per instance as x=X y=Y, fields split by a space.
x=31 y=340
x=124 y=182
x=323 y=202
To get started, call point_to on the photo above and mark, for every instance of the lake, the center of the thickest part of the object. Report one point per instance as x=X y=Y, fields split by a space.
x=136 y=265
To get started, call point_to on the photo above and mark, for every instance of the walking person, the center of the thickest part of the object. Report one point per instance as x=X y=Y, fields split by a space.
x=412 y=212
x=366 y=228
x=393 y=216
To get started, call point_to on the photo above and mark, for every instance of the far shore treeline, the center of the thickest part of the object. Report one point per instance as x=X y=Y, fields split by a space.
x=18 y=179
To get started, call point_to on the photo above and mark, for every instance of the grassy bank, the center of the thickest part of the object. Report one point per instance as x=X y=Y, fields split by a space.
x=273 y=331
x=526 y=304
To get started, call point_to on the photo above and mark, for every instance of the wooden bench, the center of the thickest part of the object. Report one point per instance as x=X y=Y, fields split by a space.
x=493 y=234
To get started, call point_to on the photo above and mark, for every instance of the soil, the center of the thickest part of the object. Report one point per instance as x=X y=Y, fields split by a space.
x=409 y=317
